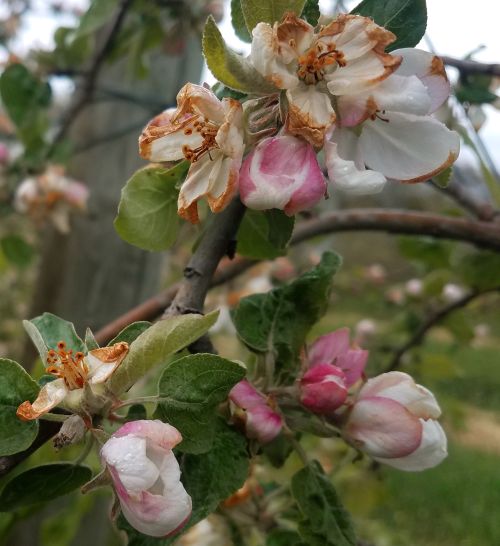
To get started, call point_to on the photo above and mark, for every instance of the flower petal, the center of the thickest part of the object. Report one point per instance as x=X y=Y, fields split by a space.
x=407 y=147
x=265 y=58
x=383 y=428
x=323 y=389
x=162 y=434
x=429 y=69
x=310 y=113
x=263 y=424
x=127 y=455
x=430 y=453
x=345 y=170
x=246 y=396
x=327 y=348
x=104 y=361
x=50 y=395
x=352 y=363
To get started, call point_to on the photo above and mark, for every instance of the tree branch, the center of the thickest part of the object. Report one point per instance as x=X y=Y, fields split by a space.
x=371 y=219
x=92 y=74
x=432 y=320
x=472 y=67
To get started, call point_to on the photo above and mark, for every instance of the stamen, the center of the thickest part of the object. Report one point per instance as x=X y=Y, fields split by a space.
x=208 y=131
x=313 y=63
x=68 y=366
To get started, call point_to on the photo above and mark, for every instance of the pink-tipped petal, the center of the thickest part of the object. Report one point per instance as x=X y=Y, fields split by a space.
x=328 y=347
x=352 y=363
x=245 y=395
x=263 y=424
x=383 y=428
x=159 y=433
x=323 y=389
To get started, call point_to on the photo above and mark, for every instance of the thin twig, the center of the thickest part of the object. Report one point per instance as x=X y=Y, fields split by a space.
x=92 y=74
x=472 y=67
x=431 y=321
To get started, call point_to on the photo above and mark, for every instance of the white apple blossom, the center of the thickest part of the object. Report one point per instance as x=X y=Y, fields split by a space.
x=74 y=371
x=208 y=133
x=146 y=476
x=386 y=132
x=344 y=57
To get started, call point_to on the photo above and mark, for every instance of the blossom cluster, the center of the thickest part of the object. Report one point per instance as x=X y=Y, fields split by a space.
x=336 y=90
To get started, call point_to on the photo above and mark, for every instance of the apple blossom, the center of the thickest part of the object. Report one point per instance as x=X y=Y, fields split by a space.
x=146 y=476
x=74 y=371
x=282 y=172
x=334 y=367
x=208 y=133
x=386 y=131
x=344 y=57
x=394 y=421
x=51 y=195
x=260 y=420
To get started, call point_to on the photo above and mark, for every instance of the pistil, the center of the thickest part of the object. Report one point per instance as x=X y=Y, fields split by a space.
x=68 y=366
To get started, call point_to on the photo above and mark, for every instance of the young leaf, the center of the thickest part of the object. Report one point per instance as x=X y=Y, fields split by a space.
x=193 y=387
x=443 y=178
x=47 y=330
x=131 y=332
x=268 y=11
x=407 y=19
x=279 y=321
x=16 y=386
x=264 y=235
x=230 y=68
x=156 y=344
x=147 y=213
x=23 y=95
x=17 y=250
x=238 y=22
x=98 y=14
x=311 y=12
x=41 y=484
x=90 y=341
x=326 y=522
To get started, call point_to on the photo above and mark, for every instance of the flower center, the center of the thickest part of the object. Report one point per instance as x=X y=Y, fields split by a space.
x=313 y=64
x=70 y=367
x=208 y=131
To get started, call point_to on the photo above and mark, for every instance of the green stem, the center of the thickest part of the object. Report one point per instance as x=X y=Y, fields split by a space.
x=290 y=436
x=85 y=451
x=57 y=417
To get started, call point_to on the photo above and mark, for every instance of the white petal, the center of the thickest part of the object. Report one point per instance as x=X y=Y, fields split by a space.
x=407 y=147
x=344 y=169
x=169 y=147
x=266 y=60
x=402 y=94
x=357 y=75
x=50 y=395
x=127 y=455
x=430 y=69
x=431 y=452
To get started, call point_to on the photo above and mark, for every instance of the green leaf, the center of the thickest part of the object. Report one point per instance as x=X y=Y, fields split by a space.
x=326 y=522
x=16 y=386
x=407 y=19
x=17 y=250
x=475 y=89
x=23 y=94
x=47 y=330
x=443 y=178
x=192 y=388
x=147 y=213
x=268 y=11
x=311 y=12
x=428 y=252
x=230 y=68
x=460 y=327
x=98 y=14
x=279 y=321
x=209 y=478
x=480 y=269
x=41 y=484
x=282 y=537
x=131 y=332
x=156 y=344
x=90 y=340
x=238 y=22
x=136 y=412
x=264 y=235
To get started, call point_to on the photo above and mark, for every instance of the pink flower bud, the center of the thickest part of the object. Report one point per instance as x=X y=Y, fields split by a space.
x=146 y=476
x=261 y=422
x=323 y=389
x=394 y=421
x=334 y=348
x=282 y=172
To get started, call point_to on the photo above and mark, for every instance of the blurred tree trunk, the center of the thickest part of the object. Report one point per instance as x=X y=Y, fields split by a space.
x=90 y=275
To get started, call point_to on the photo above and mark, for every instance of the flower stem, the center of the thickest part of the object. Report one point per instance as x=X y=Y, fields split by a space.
x=57 y=417
x=290 y=436
x=85 y=451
